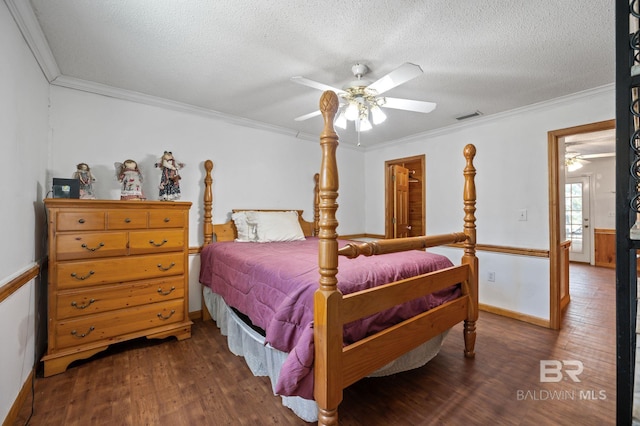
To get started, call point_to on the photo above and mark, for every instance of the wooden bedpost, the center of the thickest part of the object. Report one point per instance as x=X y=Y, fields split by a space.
x=469 y=256
x=327 y=299
x=208 y=201
x=316 y=205
x=208 y=221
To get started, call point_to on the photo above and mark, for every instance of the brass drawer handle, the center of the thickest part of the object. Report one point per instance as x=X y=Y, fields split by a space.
x=166 y=318
x=80 y=220
x=75 y=305
x=162 y=268
x=84 y=246
x=153 y=243
x=74 y=275
x=166 y=293
x=80 y=336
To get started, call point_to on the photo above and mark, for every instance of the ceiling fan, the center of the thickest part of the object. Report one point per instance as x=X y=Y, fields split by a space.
x=574 y=161
x=361 y=98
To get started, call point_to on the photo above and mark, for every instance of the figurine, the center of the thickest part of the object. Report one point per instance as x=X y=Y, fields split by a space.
x=170 y=179
x=131 y=178
x=83 y=174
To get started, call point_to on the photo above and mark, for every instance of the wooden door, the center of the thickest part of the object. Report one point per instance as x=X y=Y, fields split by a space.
x=415 y=207
x=400 y=179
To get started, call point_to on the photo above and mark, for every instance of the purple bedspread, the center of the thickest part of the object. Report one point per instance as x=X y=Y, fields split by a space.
x=273 y=284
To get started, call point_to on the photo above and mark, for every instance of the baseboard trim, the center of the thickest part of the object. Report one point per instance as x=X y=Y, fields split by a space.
x=515 y=315
x=22 y=397
x=357 y=236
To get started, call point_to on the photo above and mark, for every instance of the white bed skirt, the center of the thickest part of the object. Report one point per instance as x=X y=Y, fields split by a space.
x=264 y=360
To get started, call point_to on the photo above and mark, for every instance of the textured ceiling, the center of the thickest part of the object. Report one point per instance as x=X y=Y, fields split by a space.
x=236 y=57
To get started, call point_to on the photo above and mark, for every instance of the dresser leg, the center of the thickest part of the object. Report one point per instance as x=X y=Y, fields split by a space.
x=54 y=364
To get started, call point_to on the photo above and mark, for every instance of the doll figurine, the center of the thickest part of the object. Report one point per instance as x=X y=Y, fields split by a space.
x=170 y=178
x=83 y=174
x=131 y=179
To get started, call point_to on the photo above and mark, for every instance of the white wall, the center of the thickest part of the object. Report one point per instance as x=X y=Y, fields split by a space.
x=253 y=168
x=512 y=174
x=23 y=136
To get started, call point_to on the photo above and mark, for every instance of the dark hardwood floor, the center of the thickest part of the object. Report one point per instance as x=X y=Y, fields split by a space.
x=199 y=382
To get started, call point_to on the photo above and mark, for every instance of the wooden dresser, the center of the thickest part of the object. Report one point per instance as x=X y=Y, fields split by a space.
x=118 y=270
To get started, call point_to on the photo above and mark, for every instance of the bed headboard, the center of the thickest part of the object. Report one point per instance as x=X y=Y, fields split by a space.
x=228 y=232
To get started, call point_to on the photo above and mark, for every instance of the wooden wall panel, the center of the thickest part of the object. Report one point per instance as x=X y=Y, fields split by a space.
x=605 y=247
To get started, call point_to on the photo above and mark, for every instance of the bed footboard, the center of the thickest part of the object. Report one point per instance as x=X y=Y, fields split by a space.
x=336 y=366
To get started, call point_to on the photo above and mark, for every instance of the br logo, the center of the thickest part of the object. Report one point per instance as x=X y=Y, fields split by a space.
x=554 y=371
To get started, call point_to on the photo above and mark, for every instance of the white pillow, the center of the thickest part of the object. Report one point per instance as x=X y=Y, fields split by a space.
x=275 y=226
x=246 y=230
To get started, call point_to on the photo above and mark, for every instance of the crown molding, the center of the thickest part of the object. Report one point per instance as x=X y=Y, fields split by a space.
x=27 y=22
x=496 y=116
x=142 y=98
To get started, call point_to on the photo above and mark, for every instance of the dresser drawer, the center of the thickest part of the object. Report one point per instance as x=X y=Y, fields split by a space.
x=156 y=241
x=127 y=219
x=91 y=245
x=93 y=300
x=80 y=221
x=76 y=274
x=166 y=219
x=105 y=326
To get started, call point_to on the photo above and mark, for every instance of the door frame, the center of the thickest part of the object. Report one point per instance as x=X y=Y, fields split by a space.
x=388 y=191
x=556 y=165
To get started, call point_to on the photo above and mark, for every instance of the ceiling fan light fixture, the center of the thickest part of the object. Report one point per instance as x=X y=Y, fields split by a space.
x=352 y=112
x=377 y=115
x=341 y=120
x=572 y=164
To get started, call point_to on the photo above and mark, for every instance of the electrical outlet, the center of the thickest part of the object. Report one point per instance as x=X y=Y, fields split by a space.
x=492 y=277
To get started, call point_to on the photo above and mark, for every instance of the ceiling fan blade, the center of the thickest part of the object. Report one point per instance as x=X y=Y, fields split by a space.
x=402 y=74
x=601 y=155
x=409 y=105
x=308 y=116
x=314 y=84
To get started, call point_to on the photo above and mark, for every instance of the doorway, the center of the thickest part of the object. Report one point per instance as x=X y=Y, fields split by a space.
x=404 y=197
x=558 y=246
x=577 y=218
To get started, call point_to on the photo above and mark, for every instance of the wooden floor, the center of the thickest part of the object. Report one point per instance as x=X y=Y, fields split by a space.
x=199 y=382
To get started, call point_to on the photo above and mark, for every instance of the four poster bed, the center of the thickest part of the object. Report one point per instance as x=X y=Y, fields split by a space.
x=317 y=313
